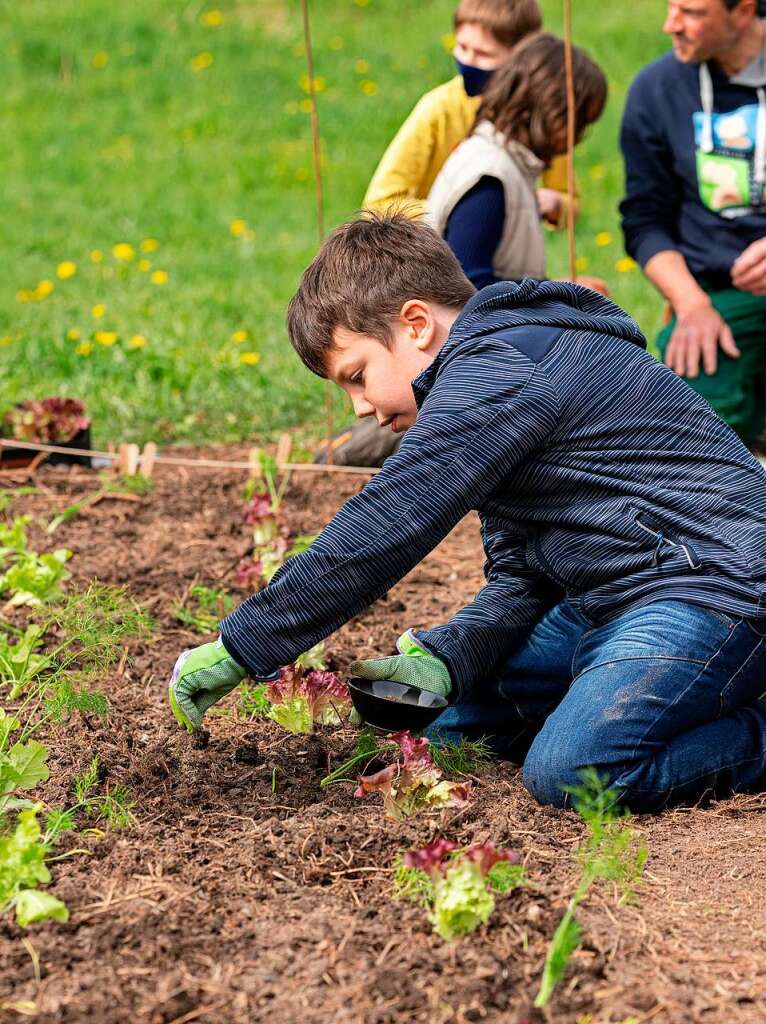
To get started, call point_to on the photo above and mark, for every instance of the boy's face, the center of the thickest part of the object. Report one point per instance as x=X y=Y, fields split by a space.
x=477 y=47
x=378 y=379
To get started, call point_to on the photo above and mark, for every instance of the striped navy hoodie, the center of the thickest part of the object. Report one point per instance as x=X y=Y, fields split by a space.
x=597 y=473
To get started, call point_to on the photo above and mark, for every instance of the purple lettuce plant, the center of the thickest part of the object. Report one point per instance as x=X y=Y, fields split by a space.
x=413 y=783
x=461 y=896
x=301 y=699
x=46 y=420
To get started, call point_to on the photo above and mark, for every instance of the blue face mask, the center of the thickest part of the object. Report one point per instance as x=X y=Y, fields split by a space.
x=474 y=79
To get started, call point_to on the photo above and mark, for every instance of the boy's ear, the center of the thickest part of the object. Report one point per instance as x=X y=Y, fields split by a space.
x=418 y=317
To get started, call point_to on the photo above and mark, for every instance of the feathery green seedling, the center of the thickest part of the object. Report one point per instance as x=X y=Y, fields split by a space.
x=467 y=757
x=612 y=851
x=114 y=806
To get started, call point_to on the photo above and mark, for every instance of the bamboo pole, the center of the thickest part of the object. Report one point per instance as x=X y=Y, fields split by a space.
x=570 y=138
x=318 y=189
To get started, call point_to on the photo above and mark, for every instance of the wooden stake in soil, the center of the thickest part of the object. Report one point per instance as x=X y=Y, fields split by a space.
x=319 y=191
x=148 y=459
x=128 y=460
x=570 y=138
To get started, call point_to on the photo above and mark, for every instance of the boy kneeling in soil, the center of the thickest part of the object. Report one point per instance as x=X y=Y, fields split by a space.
x=623 y=622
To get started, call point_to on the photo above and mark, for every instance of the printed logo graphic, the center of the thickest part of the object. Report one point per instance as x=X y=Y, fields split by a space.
x=726 y=176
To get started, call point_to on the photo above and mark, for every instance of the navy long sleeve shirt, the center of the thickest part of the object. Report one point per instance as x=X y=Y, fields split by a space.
x=707 y=205
x=596 y=471
x=474 y=230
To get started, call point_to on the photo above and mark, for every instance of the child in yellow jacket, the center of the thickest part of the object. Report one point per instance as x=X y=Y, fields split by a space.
x=485 y=33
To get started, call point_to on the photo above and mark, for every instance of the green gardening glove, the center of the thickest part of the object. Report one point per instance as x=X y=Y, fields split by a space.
x=414 y=665
x=201 y=677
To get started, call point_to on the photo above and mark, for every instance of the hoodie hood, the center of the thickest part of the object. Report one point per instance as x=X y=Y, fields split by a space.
x=543 y=304
x=528 y=303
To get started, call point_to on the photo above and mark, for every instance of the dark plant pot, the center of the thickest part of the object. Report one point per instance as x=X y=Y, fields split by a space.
x=19 y=458
x=392 y=706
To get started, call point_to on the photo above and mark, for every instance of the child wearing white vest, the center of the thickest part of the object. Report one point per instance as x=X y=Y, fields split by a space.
x=484 y=201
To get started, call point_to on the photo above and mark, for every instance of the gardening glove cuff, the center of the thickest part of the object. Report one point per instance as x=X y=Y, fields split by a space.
x=201 y=677
x=415 y=666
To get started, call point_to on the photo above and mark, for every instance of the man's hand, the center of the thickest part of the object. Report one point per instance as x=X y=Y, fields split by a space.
x=415 y=666
x=748 y=271
x=549 y=204
x=698 y=332
x=201 y=677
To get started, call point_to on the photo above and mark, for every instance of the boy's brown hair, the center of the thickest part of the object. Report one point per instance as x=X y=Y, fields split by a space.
x=507 y=20
x=526 y=98
x=362 y=276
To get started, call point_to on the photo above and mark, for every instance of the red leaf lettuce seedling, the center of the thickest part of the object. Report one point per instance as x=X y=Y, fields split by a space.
x=413 y=783
x=461 y=883
x=300 y=700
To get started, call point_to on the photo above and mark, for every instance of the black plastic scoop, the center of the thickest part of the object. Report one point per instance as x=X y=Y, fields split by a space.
x=392 y=706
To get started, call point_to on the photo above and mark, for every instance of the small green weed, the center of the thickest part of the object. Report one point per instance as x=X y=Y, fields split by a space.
x=253 y=702
x=204 y=608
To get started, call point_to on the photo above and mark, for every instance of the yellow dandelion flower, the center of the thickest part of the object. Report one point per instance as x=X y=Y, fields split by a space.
x=150 y=245
x=106 y=338
x=96 y=256
x=66 y=269
x=123 y=251
x=98 y=311
x=238 y=227
x=250 y=358
x=320 y=83
x=581 y=264
x=201 y=61
x=625 y=265
x=306 y=106
x=73 y=334
x=137 y=341
x=5 y=341
x=23 y=294
x=212 y=18
x=597 y=172
x=160 y=276
x=335 y=42
x=603 y=238
x=144 y=265
x=448 y=41
x=44 y=288
x=100 y=59
x=361 y=66
x=239 y=337
x=362 y=3
x=368 y=88
x=84 y=348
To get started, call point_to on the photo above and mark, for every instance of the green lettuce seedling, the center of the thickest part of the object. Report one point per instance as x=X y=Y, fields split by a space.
x=22 y=869
x=461 y=892
x=36 y=579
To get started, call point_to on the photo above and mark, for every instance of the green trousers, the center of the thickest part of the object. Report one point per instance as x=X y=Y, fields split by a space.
x=737 y=390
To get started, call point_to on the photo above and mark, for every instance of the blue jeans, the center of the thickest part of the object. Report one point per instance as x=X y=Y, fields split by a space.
x=664 y=700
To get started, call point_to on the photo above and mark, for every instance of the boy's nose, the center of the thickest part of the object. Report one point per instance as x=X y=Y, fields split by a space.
x=362 y=407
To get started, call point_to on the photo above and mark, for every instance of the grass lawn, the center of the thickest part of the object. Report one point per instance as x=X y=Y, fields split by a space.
x=177 y=133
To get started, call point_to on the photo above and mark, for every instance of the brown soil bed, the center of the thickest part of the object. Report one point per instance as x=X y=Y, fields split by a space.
x=245 y=893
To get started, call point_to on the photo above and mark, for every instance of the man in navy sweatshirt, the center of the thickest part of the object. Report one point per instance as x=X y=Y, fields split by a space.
x=623 y=622
x=694 y=216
